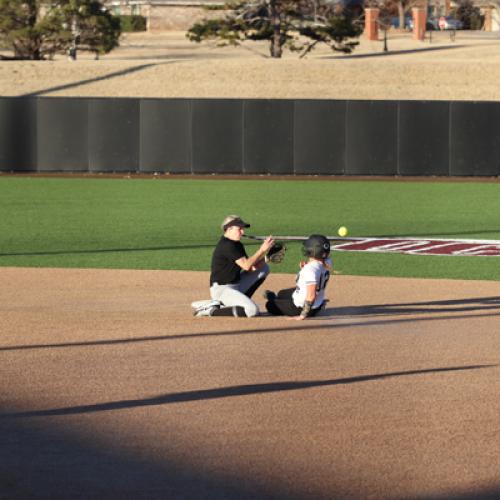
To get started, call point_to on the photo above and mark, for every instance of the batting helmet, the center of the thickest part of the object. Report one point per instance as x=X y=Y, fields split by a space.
x=317 y=246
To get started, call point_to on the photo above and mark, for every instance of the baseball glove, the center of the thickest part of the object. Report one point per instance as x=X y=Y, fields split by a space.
x=276 y=253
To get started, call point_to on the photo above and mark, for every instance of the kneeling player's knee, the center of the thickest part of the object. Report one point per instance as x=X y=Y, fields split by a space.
x=264 y=271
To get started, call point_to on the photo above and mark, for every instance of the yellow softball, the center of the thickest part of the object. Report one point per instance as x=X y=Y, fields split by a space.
x=343 y=231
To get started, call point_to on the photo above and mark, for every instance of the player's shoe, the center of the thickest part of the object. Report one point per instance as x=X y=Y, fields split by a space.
x=201 y=303
x=268 y=295
x=205 y=307
x=205 y=311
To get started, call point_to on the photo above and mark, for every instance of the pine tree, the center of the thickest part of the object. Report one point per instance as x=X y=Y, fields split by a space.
x=38 y=30
x=469 y=14
x=294 y=24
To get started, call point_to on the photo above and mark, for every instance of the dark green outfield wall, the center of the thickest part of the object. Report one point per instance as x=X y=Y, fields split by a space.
x=250 y=136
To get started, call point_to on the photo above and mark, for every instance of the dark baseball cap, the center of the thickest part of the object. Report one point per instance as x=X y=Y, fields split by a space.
x=233 y=220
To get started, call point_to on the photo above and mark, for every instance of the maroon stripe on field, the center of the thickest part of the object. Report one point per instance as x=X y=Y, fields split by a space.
x=421 y=247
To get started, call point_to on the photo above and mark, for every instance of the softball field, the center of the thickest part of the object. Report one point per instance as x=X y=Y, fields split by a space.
x=111 y=389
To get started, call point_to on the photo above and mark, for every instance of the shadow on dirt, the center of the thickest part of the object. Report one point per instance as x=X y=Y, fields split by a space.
x=226 y=392
x=50 y=460
x=44 y=458
x=325 y=322
x=108 y=250
x=436 y=306
x=396 y=52
x=80 y=83
x=484 y=494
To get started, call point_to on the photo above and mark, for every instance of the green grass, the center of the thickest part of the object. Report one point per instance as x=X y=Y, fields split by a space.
x=174 y=223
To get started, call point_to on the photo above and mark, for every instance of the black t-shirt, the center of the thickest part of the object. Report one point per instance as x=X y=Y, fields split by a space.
x=224 y=270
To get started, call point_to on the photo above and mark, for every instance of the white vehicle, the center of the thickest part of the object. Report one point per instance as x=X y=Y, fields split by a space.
x=431 y=24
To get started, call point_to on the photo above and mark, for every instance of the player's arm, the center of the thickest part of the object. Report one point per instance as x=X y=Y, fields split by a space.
x=249 y=263
x=310 y=298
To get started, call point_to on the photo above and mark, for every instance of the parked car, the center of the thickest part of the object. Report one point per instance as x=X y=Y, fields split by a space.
x=408 y=22
x=450 y=23
x=430 y=25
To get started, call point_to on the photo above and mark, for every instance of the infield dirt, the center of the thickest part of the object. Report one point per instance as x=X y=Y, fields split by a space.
x=109 y=388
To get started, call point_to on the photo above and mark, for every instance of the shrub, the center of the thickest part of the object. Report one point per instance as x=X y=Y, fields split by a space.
x=133 y=23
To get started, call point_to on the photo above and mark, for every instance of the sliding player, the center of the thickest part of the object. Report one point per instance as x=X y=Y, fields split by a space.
x=308 y=296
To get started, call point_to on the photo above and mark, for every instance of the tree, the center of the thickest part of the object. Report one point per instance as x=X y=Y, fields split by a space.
x=295 y=24
x=399 y=9
x=37 y=30
x=403 y=6
x=469 y=14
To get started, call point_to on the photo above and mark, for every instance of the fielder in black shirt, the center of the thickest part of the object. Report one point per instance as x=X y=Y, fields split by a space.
x=224 y=269
x=234 y=276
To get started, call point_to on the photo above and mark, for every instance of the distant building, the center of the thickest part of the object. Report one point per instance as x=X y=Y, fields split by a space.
x=180 y=15
x=164 y=15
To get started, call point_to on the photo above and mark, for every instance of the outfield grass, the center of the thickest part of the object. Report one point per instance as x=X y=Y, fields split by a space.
x=174 y=223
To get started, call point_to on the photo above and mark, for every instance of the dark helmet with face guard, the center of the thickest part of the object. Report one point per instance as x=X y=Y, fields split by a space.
x=316 y=246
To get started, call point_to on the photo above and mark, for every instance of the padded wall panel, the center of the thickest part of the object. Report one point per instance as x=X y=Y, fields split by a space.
x=423 y=138
x=268 y=136
x=251 y=136
x=319 y=137
x=62 y=135
x=475 y=138
x=18 y=134
x=217 y=126
x=165 y=135
x=371 y=138
x=114 y=135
